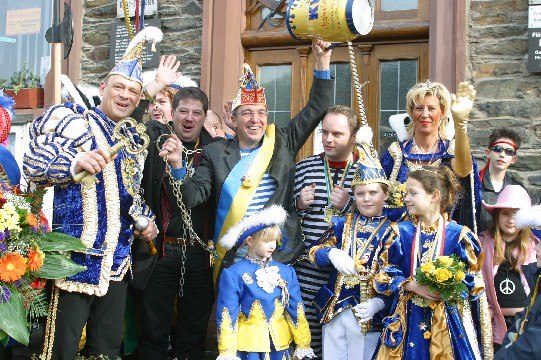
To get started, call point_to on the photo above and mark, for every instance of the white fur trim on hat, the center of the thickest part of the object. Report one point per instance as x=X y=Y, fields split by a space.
x=364 y=135
x=528 y=217
x=149 y=33
x=273 y=215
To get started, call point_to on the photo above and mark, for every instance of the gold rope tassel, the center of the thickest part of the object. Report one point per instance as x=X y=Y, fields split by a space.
x=50 y=326
x=127 y=18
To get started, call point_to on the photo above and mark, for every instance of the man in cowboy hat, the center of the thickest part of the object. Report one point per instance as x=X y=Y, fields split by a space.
x=65 y=141
x=255 y=169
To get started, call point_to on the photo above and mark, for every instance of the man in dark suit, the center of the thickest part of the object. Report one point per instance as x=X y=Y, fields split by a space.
x=257 y=168
x=522 y=339
x=182 y=262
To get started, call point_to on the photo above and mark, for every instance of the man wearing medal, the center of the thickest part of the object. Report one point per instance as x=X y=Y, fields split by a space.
x=181 y=266
x=101 y=210
x=323 y=190
x=255 y=169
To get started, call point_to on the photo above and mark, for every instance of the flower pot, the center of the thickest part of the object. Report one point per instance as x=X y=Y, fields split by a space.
x=27 y=98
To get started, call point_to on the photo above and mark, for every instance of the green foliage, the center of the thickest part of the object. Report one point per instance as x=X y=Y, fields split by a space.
x=13 y=318
x=37 y=305
x=57 y=266
x=21 y=79
x=57 y=241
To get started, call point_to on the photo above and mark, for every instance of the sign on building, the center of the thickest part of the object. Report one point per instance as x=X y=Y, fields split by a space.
x=120 y=40
x=151 y=8
x=534 y=38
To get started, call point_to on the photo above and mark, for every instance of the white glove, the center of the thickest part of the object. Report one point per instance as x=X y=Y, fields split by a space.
x=342 y=262
x=366 y=310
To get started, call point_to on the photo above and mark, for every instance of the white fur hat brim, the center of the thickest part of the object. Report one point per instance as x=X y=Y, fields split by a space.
x=273 y=215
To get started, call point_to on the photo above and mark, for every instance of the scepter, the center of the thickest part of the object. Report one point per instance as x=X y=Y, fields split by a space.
x=124 y=142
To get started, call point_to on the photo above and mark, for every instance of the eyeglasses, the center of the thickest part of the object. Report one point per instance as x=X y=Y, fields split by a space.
x=507 y=151
x=247 y=114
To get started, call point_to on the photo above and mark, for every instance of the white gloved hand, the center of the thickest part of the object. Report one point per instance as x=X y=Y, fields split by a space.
x=342 y=262
x=366 y=310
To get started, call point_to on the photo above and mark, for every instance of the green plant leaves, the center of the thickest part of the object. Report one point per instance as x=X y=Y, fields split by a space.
x=56 y=241
x=13 y=318
x=57 y=266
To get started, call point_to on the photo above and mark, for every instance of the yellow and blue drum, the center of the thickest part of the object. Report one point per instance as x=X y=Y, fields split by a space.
x=329 y=20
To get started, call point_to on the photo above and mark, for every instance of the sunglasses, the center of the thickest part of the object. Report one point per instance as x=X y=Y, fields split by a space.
x=499 y=149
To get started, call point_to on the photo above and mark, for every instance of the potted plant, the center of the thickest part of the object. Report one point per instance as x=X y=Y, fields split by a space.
x=25 y=89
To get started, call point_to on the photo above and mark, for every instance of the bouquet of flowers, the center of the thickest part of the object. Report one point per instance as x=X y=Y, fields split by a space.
x=29 y=253
x=444 y=275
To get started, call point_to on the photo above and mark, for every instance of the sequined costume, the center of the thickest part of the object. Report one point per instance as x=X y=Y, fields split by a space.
x=260 y=312
x=443 y=330
x=102 y=214
x=398 y=160
x=342 y=292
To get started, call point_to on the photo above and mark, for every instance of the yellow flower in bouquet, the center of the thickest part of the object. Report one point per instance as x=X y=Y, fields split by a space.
x=444 y=275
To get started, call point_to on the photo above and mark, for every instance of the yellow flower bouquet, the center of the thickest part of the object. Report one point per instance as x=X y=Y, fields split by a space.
x=29 y=254
x=444 y=275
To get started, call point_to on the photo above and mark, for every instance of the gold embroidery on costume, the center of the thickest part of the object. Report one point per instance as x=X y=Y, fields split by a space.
x=396 y=154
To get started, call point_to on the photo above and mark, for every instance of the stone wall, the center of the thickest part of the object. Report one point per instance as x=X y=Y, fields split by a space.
x=507 y=94
x=181 y=24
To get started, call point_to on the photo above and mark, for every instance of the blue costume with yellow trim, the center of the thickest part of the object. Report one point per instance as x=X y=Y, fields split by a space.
x=443 y=330
x=101 y=214
x=342 y=292
x=259 y=311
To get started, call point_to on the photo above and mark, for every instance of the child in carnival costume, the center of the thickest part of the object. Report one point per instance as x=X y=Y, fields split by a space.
x=259 y=309
x=351 y=246
x=423 y=326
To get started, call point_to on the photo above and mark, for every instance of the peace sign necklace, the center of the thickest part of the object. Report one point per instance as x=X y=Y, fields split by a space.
x=507 y=286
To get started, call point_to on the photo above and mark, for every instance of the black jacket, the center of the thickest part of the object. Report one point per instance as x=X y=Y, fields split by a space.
x=528 y=345
x=220 y=157
x=153 y=175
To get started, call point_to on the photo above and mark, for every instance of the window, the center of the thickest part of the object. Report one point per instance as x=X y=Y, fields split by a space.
x=397 y=77
x=276 y=79
x=23 y=24
x=396 y=5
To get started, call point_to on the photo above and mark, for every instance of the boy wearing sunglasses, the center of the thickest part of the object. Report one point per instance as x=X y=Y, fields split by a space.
x=501 y=153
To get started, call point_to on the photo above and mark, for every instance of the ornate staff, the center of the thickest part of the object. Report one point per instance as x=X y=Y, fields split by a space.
x=132 y=148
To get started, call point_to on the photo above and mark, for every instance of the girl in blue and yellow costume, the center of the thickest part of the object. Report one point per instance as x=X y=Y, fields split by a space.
x=432 y=137
x=423 y=326
x=259 y=310
x=353 y=244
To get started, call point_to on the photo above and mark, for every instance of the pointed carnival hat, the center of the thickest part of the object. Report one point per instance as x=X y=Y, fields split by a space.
x=249 y=91
x=511 y=197
x=271 y=216
x=369 y=168
x=130 y=65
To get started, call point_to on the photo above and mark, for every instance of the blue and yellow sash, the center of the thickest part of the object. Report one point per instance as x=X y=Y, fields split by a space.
x=235 y=198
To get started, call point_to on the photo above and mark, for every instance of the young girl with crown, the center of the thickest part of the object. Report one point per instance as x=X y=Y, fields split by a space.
x=423 y=325
x=259 y=310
